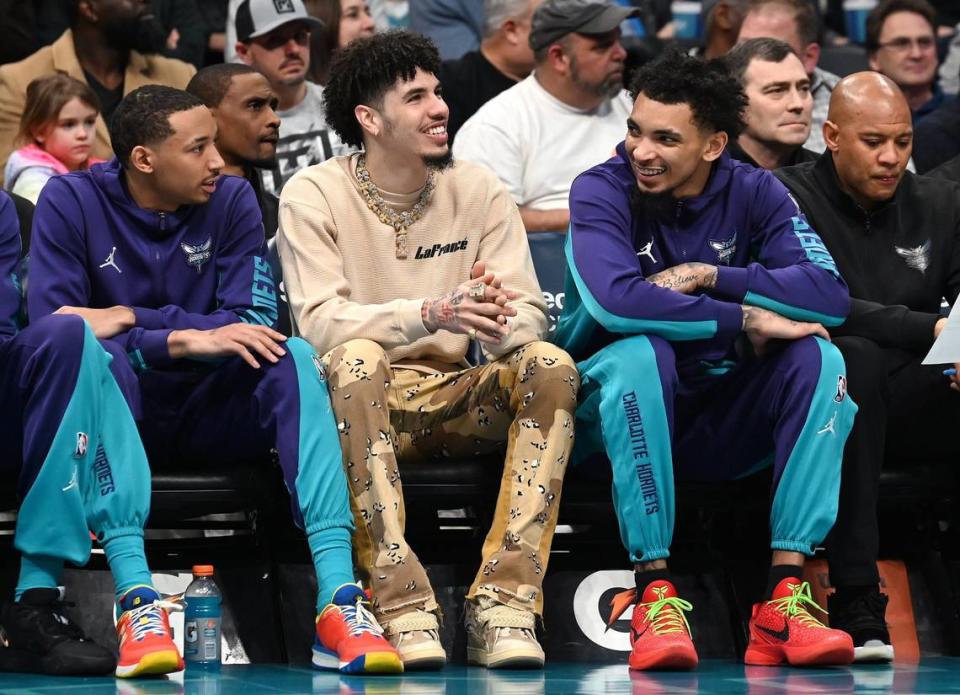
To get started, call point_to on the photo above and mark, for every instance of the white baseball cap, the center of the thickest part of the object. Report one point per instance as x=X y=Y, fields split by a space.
x=260 y=17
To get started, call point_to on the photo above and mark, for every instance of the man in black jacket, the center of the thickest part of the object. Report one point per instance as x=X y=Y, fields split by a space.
x=894 y=236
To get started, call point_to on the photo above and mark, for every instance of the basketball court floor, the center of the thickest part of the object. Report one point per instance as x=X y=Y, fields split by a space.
x=929 y=676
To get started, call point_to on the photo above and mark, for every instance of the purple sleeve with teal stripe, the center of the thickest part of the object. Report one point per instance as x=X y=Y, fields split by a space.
x=9 y=255
x=607 y=273
x=792 y=273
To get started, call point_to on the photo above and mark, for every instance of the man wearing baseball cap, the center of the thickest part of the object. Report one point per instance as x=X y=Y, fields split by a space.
x=273 y=37
x=565 y=118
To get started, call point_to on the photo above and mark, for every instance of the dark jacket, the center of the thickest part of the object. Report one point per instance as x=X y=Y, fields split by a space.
x=899 y=260
x=801 y=155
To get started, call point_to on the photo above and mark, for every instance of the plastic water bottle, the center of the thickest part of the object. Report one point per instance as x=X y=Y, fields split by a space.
x=201 y=624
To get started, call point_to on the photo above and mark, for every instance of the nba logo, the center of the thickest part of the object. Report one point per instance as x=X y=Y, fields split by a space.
x=841 y=389
x=283 y=6
x=82 y=441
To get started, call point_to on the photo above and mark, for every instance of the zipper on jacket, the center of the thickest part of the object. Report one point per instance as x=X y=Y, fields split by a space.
x=676 y=227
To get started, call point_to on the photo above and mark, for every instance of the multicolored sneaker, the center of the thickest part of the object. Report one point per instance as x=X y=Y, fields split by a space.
x=143 y=630
x=349 y=639
x=659 y=631
x=782 y=630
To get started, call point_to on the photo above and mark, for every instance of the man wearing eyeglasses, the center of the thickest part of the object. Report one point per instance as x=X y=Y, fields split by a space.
x=901 y=43
x=273 y=37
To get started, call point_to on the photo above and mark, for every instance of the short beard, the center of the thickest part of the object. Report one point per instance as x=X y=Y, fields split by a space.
x=142 y=34
x=652 y=205
x=440 y=163
x=607 y=89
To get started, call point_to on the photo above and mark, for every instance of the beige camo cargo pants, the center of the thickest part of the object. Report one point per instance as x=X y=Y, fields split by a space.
x=526 y=398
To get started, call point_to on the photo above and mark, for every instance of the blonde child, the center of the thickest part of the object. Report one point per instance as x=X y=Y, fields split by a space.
x=57 y=134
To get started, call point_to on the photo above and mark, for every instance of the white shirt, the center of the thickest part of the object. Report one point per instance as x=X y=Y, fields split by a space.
x=537 y=144
x=305 y=139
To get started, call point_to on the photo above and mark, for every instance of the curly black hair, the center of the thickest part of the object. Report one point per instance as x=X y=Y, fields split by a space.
x=363 y=71
x=714 y=96
x=143 y=117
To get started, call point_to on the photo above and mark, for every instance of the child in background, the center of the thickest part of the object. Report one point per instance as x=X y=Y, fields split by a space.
x=56 y=134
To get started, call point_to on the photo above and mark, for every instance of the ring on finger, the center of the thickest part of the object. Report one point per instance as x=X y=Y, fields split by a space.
x=477 y=291
x=472 y=333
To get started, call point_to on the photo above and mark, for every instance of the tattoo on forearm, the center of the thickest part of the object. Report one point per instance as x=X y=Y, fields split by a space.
x=710 y=279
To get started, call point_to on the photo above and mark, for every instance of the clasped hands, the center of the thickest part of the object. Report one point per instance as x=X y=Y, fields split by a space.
x=478 y=308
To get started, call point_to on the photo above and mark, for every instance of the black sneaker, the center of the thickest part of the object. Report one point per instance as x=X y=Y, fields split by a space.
x=37 y=637
x=862 y=616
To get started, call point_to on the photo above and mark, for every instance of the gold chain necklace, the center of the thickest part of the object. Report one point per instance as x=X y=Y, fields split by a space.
x=386 y=214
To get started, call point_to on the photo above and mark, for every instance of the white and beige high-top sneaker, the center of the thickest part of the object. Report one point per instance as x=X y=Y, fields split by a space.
x=499 y=636
x=416 y=637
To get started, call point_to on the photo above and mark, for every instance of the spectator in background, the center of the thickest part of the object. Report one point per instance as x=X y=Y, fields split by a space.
x=777 y=117
x=721 y=20
x=56 y=134
x=936 y=137
x=456 y=26
x=504 y=58
x=277 y=45
x=894 y=236
x=902 y=44
x=567 y=116
x=108 y=47
x=342 y=23
x=795 y=22
x=244 y=105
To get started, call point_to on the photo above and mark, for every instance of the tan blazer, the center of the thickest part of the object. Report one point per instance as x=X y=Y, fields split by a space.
x=61 y=56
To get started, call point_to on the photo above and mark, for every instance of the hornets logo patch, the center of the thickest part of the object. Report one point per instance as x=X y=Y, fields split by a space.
x=197 y=255
x=321 y=371
x=725 y=249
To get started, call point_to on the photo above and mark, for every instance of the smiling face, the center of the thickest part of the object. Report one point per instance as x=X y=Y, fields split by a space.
x=186 y=165
x=908 y=50
x=247 y=121
x=70 y=138
x=780 y=108
x=414 y=118
x=669 y=153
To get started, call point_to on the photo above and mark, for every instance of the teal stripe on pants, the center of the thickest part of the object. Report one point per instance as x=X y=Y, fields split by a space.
x=622 y=406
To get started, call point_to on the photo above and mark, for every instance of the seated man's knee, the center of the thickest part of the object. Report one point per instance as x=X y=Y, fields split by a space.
x=559 y=366
x=357 y=360
x=57 y=332
x=644 y=354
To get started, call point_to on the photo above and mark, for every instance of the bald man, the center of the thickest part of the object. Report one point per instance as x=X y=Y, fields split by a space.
x=894 y=236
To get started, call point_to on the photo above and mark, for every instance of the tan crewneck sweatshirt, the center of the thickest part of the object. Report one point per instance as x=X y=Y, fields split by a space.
x=343 y=279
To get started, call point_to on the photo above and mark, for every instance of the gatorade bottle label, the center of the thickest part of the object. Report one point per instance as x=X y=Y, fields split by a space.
x=211 y=639
x=191 y=644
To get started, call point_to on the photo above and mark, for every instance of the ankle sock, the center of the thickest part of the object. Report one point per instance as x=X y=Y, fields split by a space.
x=128 y=563
x=780 y=572
x=38 y=572
x=332 y=560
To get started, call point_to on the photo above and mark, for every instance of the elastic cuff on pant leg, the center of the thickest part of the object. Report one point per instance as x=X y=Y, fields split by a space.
x=806 y=547
x=107 y=534
x=650 y=555
x=324 y=524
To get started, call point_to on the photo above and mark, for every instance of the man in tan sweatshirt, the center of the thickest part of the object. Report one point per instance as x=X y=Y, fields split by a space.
x=390 y=287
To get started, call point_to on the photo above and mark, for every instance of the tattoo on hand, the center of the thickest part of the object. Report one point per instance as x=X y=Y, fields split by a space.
x=710 y=279
x=443 y=311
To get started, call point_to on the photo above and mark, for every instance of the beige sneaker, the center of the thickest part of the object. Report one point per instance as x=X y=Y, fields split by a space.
x=416 y=637
x=499 y=636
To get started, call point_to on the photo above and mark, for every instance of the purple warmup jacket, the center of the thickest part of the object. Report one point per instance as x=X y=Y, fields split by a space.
x=202 y=267
x=9 y=255
x=744 y=222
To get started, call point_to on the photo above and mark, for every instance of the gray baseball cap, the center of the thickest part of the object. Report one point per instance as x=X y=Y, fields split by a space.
x=554 y=19
x=260 y=17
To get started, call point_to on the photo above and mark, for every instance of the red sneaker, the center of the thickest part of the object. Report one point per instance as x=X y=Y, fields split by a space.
x=349 y=639
x=782 y=630
x=143 y=630
x=659 y=632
